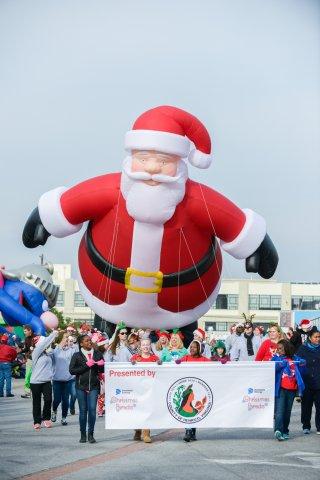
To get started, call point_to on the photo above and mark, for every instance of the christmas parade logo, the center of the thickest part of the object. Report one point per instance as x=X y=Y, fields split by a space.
x=189 y=400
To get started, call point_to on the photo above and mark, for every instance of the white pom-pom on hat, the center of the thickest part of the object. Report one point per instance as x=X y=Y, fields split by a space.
x=199 y=159
x=171 y=130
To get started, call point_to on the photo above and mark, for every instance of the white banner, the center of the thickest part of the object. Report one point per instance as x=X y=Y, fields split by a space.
x=147 y=395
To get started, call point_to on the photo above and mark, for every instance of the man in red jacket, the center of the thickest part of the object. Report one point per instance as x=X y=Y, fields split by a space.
x=7 y=356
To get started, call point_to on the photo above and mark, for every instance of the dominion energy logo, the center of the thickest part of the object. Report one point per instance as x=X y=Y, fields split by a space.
x=189 y=399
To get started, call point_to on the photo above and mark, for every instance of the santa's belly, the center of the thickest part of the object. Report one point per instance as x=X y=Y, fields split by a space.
x=172 y=307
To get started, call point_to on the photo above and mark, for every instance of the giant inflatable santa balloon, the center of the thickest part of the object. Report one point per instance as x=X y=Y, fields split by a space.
x=151 y=253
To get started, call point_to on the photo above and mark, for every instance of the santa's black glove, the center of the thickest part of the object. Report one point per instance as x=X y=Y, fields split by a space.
x=264 y=260
x=34 y=233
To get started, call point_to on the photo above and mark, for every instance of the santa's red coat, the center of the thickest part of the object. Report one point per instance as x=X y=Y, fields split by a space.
x=202 y=214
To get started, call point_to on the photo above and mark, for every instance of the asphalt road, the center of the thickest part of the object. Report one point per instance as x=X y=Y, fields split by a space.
x=218 y=454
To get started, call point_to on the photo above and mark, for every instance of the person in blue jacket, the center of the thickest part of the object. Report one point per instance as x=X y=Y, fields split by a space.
x=288 y=380
x=310 y=351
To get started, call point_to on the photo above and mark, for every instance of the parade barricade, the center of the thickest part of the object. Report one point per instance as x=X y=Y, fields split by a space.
x=207 y=395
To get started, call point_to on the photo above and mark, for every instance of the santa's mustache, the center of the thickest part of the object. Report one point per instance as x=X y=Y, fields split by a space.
x=157 y=177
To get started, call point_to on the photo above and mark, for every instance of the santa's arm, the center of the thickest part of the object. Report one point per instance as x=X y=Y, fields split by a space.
x=61 y=211
x=242 y=233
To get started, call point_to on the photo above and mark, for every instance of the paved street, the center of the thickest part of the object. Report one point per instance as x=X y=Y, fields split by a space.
x=218 y=454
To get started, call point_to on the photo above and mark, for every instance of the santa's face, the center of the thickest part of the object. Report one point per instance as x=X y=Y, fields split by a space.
x=153 y=163
x=144 y=202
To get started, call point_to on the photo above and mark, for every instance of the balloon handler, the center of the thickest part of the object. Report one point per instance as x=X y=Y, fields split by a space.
x=26 y=294
x=151 y=253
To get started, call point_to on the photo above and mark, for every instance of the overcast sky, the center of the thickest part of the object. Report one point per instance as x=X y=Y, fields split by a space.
x=74 y=75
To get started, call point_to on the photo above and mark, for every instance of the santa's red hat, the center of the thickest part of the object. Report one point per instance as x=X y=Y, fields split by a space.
x=201 y=333
x=171 y=130
x=306 y=324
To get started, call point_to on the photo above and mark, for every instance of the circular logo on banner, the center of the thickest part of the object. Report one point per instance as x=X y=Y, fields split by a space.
x=189 y=400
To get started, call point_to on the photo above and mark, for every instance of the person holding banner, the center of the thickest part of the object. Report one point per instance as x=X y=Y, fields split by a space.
x=195 y=355
x=268 y=348
x=118 y=346
x=175 y=349
x=310 y=351
x=146 y=355
x=289 y=370
x=163 y=341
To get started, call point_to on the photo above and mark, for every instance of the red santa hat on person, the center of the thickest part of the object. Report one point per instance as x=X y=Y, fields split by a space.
x=171 y=130
x=306 y=324
x=201 y=333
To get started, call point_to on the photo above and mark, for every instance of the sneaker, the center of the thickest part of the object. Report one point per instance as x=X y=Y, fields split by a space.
x=26 y=395
x=53 y=416
x=306 y=431
x=37 y=426
x=47 y=423
x=72 y=411
x=64 y=421
x=286 y=436
x=278 y=435
x=10 y=395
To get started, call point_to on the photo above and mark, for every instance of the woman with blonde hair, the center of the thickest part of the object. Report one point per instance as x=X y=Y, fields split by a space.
x=268 y=347
x=163 y=341
x=175 y=348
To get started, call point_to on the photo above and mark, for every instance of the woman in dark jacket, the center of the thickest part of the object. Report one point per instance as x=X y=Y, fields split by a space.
x=86 y=365
x=310 y=351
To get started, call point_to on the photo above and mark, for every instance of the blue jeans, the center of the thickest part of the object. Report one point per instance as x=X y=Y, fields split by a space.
x=87 y=409
x=61 y=392
x=73 y=394
x=283 y=407
x=5 y=376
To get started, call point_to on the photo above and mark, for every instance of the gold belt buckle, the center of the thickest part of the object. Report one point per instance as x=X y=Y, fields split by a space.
x=158 y=276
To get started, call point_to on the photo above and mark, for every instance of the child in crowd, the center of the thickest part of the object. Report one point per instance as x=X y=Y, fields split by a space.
x=40 y=382
x=163 y=341
x=289 y=368
x=200 y=336
x=219 y=353
x=175 y=347
x=194 y=355
x=145 y=355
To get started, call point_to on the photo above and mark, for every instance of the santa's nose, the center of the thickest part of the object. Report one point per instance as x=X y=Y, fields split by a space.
x=152 y=166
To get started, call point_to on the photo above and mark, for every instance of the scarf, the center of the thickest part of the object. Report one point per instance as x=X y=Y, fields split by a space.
x=87 y=353
x=312 y=346
x=249 y=344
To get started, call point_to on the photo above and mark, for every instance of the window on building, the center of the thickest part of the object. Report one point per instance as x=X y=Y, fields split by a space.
x=221 y=326
x=264 y=302
x=226 y=302
x=305 y=303
x=78 y=300
x=210 y=326
x=60 y=300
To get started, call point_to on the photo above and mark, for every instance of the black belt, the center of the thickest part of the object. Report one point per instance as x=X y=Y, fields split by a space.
x=162 y=280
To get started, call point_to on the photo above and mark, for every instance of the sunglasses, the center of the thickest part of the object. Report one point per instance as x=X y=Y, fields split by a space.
x=123 y=333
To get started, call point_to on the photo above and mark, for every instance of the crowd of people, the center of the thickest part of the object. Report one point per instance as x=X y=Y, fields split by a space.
x=68 y=366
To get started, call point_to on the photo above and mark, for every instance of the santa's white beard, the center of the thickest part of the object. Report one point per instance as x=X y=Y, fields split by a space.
x=152 y=204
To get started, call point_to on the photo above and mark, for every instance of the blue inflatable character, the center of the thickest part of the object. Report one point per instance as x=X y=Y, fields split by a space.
x=26 y=294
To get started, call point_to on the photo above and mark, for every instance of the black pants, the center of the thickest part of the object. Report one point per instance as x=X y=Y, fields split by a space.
x=309 y=398
x=39 y=389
